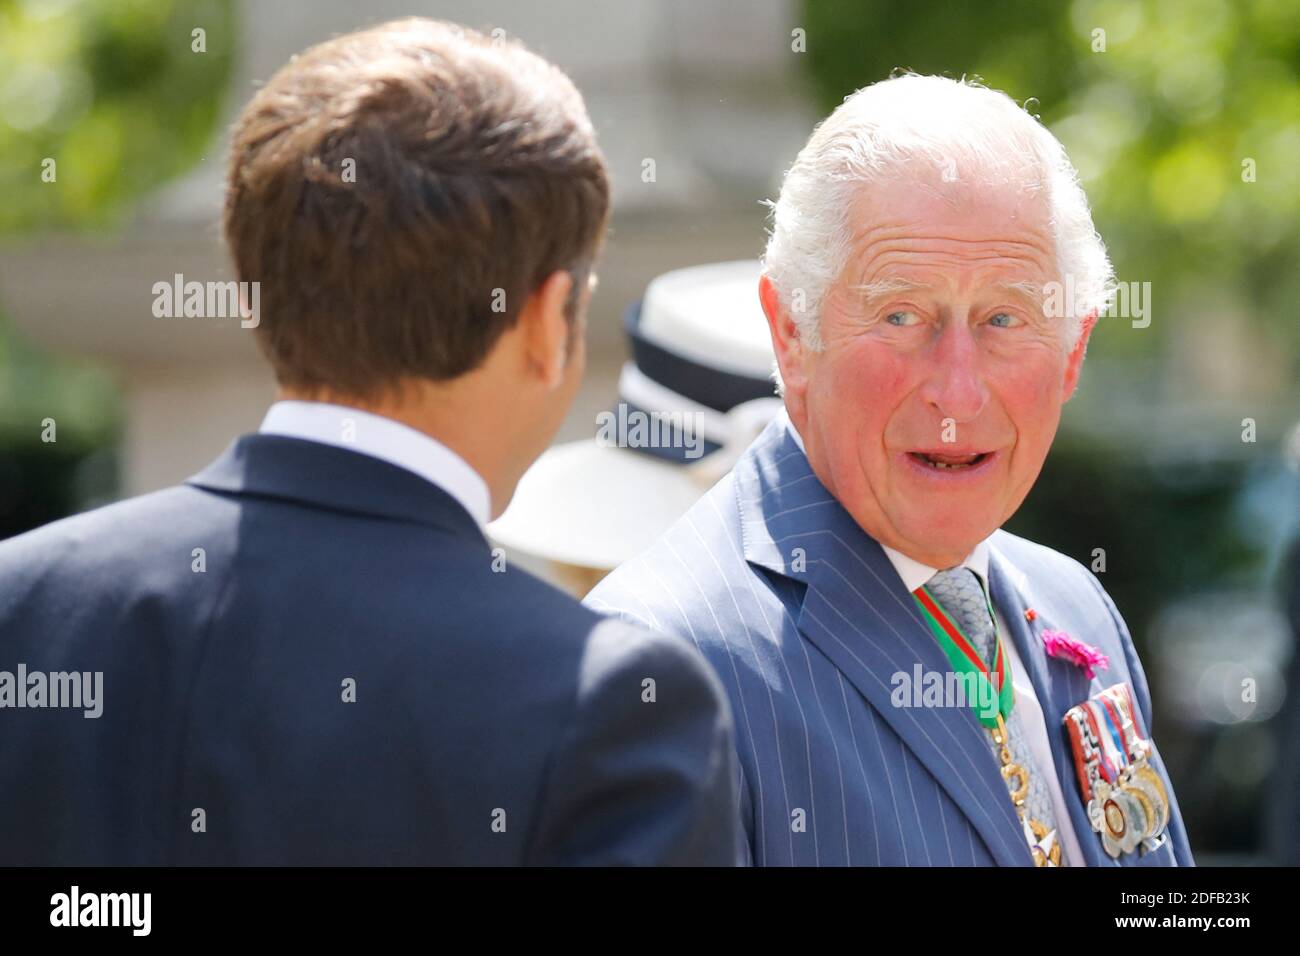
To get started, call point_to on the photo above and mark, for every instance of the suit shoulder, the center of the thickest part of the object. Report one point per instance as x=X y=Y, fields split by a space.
x=1020 y=549
x=122 y=528
x=624 y=666
x=616 y=647
x=693 y=567
x=1038 y=561
x=1062 y=582
x=521 y=595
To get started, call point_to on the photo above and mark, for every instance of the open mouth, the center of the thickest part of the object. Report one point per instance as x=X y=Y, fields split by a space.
x=948 y=462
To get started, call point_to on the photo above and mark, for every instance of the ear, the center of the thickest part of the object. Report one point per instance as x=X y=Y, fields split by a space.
x=1074 y=364
x=786 y=343
x=544 y=329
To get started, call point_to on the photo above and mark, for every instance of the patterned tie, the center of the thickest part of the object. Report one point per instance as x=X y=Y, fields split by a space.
x=961 y=594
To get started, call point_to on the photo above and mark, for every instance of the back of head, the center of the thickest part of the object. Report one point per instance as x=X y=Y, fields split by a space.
x=398 y=193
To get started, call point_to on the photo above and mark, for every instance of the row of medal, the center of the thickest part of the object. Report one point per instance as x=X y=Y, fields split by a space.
x=1126 y=799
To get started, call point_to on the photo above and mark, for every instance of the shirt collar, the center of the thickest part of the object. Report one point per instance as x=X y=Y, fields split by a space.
x=913 y=572
x=388 y=440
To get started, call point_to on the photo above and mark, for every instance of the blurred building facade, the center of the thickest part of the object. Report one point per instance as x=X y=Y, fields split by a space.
x=698 y=111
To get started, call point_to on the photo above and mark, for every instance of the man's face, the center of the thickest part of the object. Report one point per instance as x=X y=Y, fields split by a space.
x=932 y=405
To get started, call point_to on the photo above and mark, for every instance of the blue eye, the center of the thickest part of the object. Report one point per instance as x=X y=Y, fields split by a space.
x=1003 y=320
x=902 y=318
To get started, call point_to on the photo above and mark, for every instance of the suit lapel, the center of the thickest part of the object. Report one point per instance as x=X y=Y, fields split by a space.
x=1059 y=685
x=858 y=614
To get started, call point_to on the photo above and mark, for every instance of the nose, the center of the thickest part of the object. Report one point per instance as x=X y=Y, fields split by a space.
x=955 y=384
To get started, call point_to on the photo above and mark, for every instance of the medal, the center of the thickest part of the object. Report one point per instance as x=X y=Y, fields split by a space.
x=1127 y=803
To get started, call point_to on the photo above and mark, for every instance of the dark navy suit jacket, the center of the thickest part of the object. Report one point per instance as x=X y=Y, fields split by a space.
x=495 y=720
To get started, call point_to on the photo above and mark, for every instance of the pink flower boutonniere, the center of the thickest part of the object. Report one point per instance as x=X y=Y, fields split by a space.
x=1062 y=645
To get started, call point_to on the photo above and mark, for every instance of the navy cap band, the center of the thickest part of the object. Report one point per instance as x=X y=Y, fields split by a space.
x=711 y=387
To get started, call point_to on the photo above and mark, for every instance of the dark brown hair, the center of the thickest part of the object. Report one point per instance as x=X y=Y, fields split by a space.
x=476 y=174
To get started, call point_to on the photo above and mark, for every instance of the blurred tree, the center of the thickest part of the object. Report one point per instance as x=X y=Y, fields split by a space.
x=101 y=101
x=1182 y=116
x=113 y=92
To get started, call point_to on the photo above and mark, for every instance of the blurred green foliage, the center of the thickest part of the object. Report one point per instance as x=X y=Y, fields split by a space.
x=116 y=95
x=1159 y=125
x=112 y=91
x=81 y=396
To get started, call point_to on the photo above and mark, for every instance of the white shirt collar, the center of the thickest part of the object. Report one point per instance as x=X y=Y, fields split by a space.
x=913 y=572
x=387 y=440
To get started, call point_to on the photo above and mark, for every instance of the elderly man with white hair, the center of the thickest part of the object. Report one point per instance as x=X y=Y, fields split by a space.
x=910 y=684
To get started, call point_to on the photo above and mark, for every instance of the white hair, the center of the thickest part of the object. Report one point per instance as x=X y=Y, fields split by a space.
x=959 y=126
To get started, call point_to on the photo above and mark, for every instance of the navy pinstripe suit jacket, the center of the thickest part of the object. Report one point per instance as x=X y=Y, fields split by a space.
x=805 y=621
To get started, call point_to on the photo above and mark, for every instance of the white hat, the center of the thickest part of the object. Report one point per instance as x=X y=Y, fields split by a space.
x=697 y=392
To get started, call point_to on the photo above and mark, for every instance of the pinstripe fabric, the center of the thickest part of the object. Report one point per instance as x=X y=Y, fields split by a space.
x=806 y=623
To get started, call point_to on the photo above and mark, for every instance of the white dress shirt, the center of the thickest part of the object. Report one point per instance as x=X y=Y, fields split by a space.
x=914 y=574
x=387 y=440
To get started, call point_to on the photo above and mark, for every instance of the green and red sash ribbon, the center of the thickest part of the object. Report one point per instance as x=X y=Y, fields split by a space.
x=965 y=659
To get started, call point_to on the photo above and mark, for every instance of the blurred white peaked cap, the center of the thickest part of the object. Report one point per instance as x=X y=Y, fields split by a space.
x=696 y=393
x=711 y=315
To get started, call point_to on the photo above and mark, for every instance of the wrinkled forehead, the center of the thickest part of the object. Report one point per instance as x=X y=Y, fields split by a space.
x=954 y=211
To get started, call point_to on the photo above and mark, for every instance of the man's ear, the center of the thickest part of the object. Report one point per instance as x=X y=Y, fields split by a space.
x=544 y=328
x=1074 y=364
x=786 y=343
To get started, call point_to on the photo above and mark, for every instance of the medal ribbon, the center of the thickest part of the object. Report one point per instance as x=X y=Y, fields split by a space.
x=1112 y=760
x=965 y=659
x=1119 y=704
